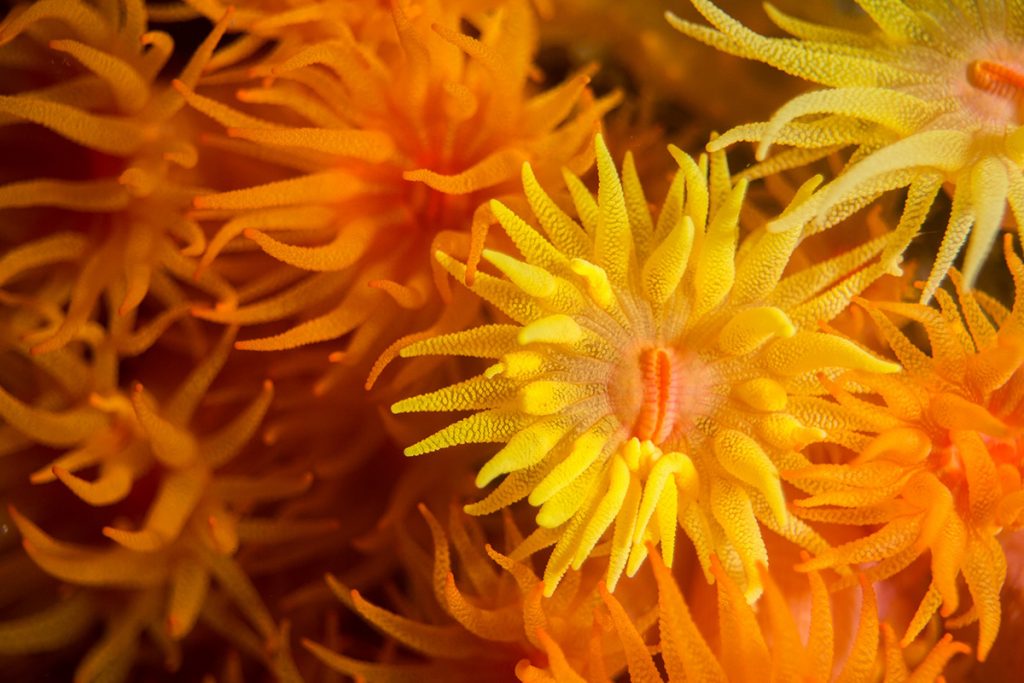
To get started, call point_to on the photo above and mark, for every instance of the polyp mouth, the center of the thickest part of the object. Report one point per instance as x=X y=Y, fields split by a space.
x=996 y=77
x=659 y=391
x=996 y=90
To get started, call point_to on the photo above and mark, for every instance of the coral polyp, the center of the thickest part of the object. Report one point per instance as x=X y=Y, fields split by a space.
x=747 y=649
x=398 y=143
x=129 y=234
x=938 y=461
x=181 y=546
x=647 y=379
x=931 y=96
x=495 y=622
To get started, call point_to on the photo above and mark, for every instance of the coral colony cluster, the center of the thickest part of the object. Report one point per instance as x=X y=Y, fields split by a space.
x=473 y=341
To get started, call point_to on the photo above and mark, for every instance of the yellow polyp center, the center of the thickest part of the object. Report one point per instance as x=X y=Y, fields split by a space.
x=662 y=384
x=1004 y=80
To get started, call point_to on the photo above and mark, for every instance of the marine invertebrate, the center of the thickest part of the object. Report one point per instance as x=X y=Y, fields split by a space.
x=931 y=97
x=284 y=27
x=744 y=654
x=119 y=125
x=178 y=513
x=648 y=376
x=396 y=146
x=493 y=618
x=938 y=454
x=602 y=371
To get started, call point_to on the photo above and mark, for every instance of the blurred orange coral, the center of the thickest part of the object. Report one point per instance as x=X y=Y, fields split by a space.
x=127 y=235
x=185 y=534
x=396 y=142
x=503 y=624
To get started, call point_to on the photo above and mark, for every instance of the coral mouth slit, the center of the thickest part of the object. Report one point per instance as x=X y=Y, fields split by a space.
x=997 y=78
x=660 y=409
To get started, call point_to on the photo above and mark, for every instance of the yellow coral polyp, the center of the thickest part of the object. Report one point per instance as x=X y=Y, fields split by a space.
x=939 y=461
x=930 y=97
x=646 y=383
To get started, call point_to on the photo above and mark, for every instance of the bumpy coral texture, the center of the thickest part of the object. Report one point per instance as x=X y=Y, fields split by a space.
x=939 y=459
x=649 y=375
x=931 y=96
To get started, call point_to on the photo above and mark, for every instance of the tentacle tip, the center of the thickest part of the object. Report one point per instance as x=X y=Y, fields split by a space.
x=862 y=302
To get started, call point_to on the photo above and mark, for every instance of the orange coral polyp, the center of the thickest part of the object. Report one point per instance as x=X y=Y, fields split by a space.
x=412 y=134
x=141 y=158
x=944 y=474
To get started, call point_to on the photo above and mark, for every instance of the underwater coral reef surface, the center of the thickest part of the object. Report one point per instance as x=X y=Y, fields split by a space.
x=569 y=341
